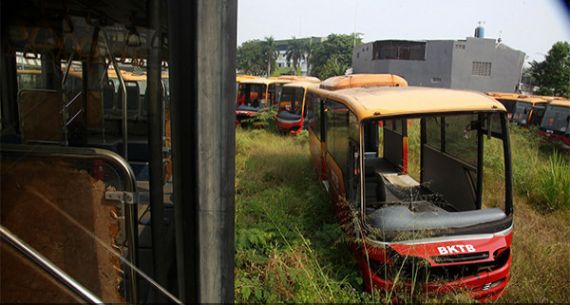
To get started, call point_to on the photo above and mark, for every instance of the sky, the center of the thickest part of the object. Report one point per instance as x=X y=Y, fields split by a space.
x=531 y=26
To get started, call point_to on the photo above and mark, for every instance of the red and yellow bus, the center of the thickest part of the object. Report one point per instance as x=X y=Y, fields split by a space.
x=257 y=93
x=292 y=107
x=555 y=124
x=404 y=168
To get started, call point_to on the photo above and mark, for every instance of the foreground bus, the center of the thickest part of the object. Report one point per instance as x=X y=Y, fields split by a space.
x=555 y=124
x=405 y=168
x=257 y=94
x=529 y=111
x=292 y=107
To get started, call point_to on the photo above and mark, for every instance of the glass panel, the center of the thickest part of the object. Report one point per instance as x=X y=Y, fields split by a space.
x=461 y=137
x=556 y=118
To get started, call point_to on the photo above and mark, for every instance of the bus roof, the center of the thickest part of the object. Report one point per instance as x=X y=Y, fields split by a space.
x=263 y=81
x=363 y=80
x=505 y=95
x=29 y=71
x=131 y=76
x=560 y=102
x=301 y=85
x=241 y=77
x=389 y=101
x=533 y=100
x=310 y=79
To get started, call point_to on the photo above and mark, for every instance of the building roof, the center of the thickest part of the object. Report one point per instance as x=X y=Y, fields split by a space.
x=390 y=101
x=363 y=80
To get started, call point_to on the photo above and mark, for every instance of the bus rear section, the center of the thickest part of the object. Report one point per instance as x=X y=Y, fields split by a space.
x=292 y=110
x=555 y=124
x=421 y=181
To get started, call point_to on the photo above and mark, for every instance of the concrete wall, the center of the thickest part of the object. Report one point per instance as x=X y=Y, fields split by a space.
x=449 y=64
x=506 y=65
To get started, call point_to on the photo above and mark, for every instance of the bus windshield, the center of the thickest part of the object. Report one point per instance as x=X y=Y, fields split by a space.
x=292 y=100
x=520 y=115
x=556 y=118
x=427 y=174
x=251 y=96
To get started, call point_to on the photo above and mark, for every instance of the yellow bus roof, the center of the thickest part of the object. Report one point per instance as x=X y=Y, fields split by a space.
x=389 y=101
x=560 y=102
x=363 y=80
x=504 y=95
x=533 y=100
x=130 y=76
x=263 y=81
x=241 y=77
x=29 y=71
x=310 y=79
x=301 y=85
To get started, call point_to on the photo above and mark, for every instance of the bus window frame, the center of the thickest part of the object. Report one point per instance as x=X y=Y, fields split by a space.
x=503 y=136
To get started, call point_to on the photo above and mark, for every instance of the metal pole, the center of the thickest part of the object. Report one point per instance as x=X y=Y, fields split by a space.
x=155 y=132
x=202 y=41
x=123 y=97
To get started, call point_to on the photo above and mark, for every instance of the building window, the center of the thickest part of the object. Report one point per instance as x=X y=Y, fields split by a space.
x=436 y=80
x=481 y=68
x=399 y=49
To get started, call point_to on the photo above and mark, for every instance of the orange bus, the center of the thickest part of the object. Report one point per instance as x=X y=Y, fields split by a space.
x=292 y=107
x=404 y=168
x=255 y=94
x=555 y=124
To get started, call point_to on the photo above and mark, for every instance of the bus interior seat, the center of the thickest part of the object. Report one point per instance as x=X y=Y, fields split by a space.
x=427 y=216
x=42 y=116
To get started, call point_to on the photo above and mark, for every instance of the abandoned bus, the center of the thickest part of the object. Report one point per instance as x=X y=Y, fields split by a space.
x=89 y=212
x=405 y=168
x=555 y=124
x=529 y=111
x=255 y=94
x=508 y=100
x=292 y=107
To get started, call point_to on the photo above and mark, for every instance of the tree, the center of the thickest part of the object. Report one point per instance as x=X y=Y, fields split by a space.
x=295 y=52
x=308 y=49
x=552 y=75
x=338 y=46
x=250 y=57
x=333 y=67
x=270 y=53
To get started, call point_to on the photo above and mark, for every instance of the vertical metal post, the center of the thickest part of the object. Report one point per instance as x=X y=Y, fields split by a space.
x=202 y=42
x=123 y=89
x=155 y=132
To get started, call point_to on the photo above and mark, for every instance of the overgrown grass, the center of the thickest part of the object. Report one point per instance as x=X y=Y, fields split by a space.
x=290 y=248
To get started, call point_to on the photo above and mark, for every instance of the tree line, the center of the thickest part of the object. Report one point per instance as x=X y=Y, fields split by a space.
x=324 y=59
